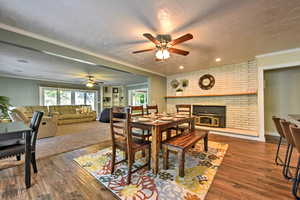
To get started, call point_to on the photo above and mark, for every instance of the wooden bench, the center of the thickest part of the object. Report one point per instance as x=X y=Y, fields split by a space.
x=182 y=143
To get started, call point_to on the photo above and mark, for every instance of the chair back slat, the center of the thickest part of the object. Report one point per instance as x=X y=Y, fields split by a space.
x=120 y=128
x=151 y=109
x=136 y=110
x=295 y=131
x=34 y=125
x=184 y=109
x=276 y=121
x=286 y=131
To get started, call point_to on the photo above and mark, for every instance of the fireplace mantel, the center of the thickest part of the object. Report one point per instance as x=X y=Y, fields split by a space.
x=213 y=95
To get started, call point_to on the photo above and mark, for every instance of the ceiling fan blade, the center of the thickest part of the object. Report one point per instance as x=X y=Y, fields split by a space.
x=178 y=51
x=181 y=39
x=151 y=38
x=145 y=50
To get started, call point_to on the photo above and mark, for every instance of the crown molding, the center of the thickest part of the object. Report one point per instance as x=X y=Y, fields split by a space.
x=278 y=53
x=137 y=84
x=56 y=42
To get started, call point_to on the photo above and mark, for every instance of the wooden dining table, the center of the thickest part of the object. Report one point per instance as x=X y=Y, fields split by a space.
x=294 y=118
x=157 y=125
x=17 y=130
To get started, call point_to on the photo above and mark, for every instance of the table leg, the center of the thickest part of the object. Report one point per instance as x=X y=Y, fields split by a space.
x=155 y=144
x=27 y=159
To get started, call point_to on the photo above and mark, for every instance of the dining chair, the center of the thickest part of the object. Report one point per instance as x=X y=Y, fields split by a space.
x=285 y=125
x=151 y=109
x=182 y=109
x=136 y=111
x=278 y=127
x=18 y=148
x=122 y=139
x=295 y=132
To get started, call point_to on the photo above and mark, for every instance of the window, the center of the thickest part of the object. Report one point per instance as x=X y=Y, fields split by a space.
x=79 y=98
x=90 y=99
x=65 y=97
x=50 y=97
x=60 y=96
x=138 y=97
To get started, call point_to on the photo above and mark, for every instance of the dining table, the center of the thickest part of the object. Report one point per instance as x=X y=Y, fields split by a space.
x=19 y=130
x=158 y=124
x=294 y=118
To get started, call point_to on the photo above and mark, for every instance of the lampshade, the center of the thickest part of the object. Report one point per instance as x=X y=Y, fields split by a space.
x=162 y=54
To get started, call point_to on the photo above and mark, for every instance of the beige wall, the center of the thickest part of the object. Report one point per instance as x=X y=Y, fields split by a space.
x=157 y=91
x=275 y=59
x=282 y=95
x=268 y=105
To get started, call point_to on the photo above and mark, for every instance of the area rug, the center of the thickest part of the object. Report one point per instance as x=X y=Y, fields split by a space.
x=200 y=169
x=69 y=138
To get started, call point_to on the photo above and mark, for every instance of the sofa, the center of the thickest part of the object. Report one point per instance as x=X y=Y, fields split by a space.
x=73 y=113
x=54 y=116
x=48 y=126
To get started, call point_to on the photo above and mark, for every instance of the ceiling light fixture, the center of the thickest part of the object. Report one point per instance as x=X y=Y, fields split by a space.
x=181 y=67
x=218 y=59
x=162 y=54
x=90 y=84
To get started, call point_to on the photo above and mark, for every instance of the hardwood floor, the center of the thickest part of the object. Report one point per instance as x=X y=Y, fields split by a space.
x=247 y=172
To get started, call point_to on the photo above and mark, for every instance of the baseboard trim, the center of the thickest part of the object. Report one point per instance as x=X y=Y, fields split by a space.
x=255 y=138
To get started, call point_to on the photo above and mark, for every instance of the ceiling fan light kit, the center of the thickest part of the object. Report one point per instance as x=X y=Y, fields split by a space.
x=164 y=45
x=89 y=84
x=162 y=54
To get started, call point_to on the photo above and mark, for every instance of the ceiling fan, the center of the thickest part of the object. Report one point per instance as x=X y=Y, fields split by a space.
x=164 y=45
x=91 y=81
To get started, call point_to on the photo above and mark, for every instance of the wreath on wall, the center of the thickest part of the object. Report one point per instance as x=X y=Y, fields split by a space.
x=206 y=82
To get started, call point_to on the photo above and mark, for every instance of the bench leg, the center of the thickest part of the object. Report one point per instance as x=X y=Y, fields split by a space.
x=181 y=163
x=206 y=143
x=149 y=159
x=165 y=157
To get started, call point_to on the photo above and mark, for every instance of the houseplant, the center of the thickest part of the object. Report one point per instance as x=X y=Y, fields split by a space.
x=4 y=108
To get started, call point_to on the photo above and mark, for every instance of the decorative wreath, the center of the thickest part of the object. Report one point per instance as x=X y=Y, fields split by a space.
x=206 y=82
x=174 y=83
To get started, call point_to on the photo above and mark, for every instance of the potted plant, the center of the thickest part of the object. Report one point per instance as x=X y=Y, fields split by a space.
x=179 y=92
x=4 y=108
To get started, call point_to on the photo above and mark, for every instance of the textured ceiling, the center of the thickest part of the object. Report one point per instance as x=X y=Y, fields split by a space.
x=235 y=30
x=47 y=67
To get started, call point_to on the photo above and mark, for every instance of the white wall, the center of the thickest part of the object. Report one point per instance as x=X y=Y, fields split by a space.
x=241 y=110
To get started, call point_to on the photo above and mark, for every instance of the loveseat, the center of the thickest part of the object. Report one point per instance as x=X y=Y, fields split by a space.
x=65 y=114
x=48 y=126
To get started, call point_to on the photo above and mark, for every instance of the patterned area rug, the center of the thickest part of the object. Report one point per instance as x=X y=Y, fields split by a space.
x=200 y=169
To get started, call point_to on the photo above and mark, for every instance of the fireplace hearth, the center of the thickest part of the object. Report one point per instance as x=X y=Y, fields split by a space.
x=212 y=116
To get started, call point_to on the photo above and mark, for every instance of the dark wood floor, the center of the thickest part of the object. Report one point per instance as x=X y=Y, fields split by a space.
x=247 y=172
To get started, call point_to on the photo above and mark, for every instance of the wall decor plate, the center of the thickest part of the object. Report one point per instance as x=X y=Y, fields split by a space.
x=174 y=83
x=206 y=82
